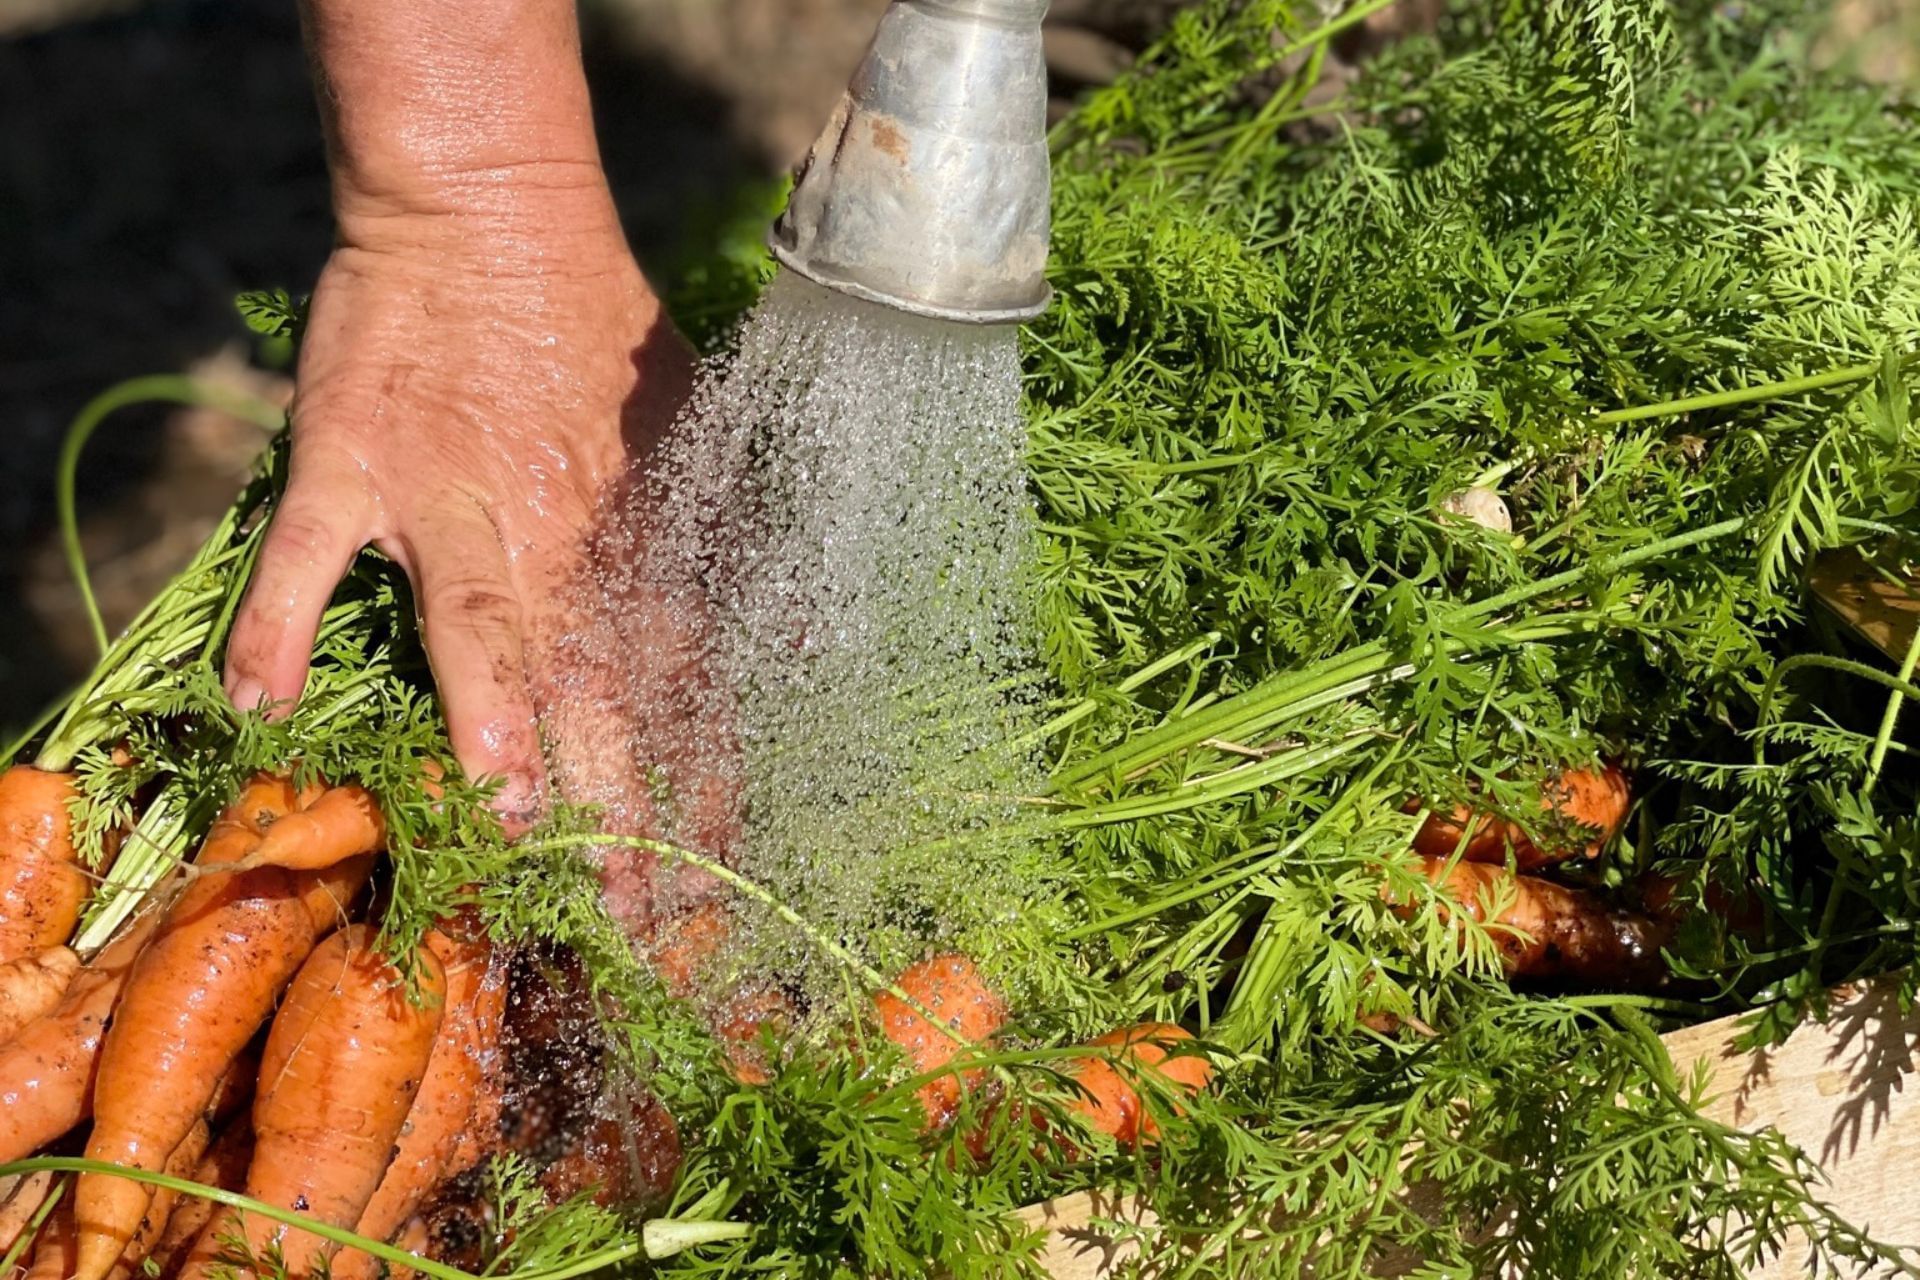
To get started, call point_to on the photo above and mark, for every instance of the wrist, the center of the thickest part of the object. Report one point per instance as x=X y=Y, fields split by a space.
x=468 y=113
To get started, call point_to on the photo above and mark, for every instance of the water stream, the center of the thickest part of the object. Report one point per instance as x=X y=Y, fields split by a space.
x=813 y=604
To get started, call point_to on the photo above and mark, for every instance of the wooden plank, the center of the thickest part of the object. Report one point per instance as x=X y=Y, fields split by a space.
x=1838 y=1090
x=1885 y=614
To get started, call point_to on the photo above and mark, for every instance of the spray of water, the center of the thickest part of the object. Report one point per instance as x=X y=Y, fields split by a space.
x=812 y=606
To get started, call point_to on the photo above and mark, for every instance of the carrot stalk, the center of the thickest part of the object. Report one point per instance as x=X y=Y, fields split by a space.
x=342 y=1065
x=42 y=885
x=32 y=986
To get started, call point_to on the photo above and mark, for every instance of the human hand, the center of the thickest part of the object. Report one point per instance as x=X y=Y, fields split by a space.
x=475 y=368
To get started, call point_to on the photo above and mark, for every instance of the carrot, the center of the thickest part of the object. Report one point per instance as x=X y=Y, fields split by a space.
x=950 y=987
x=184 y=1161
x=1584 y=809
x=1546 y=930
x=47 y=1070
x=41 y=883
x=469 y=1037
x=32 y=986
x=53 y=1251
x=1109 y=1098
x=339 y=824
x=22 y=1200
x=688 y=943
x=620 y=1158
x=223 y=1165
x=226 y=949
x=343 y=1062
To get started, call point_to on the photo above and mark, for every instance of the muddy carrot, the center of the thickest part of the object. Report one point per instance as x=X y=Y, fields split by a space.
x=1544 y=929
x=1581 y=810
x=476 y=992
x=41 y=884
x=227 y=948
x=339 y=824
x=33 y=986
x=342 y=1065
x=47 y=1070
x=631 y=1155
x=23 y=1200
x=949 y=987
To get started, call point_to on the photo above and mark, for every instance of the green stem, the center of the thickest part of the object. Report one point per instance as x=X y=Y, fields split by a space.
x=166 y=388
x=1086 y=706
x=1742 y=395
x=660 y=1232
x=1883 y=740
x=720 y=871
x=32 y=1228
x=156 y=846
x=1348 y=797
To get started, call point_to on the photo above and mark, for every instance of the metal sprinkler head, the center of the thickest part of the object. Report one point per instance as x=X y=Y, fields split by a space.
x=928 y=192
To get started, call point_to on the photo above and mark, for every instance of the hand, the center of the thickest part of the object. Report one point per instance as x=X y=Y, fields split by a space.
x=471 y=379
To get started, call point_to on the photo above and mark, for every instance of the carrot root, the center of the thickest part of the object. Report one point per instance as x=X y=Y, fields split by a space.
x=32 y=986
x=342 y=823
x=41 y=884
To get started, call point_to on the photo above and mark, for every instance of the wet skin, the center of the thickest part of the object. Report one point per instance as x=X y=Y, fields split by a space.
x=481 y=358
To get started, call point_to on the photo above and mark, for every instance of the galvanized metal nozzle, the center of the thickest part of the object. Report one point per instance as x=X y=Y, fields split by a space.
x=928 y=192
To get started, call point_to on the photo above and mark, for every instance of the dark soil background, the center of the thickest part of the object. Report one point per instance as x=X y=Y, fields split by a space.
x=159 y=156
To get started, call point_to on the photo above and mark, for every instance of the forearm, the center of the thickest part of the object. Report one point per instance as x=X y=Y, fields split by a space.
x=461 y=109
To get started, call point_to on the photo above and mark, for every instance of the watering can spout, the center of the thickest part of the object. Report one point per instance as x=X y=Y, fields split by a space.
x=928 y=192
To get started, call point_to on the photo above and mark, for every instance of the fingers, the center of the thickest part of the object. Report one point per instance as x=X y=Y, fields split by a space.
x=473 y=625
x=314 y=534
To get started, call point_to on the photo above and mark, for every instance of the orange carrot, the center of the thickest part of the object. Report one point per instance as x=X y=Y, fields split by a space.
x=688 y=943
x=53 y=1250
x=1548 y=930
x=1109 y=1098
x=22 y=1200
x=343 y=1062
x=224 y=1165
x=41 y=884
x=950 y=987
x=181 y=1164
x=339 y=824
x=47 y=1070
x=227 y=948
x=31 y=986
x=476 y=993
x=1583 y=808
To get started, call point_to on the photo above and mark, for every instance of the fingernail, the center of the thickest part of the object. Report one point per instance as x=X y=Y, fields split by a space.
x=247 y=694
x=518 y=801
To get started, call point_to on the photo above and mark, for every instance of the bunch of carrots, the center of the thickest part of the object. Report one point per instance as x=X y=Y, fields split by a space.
x=360 y=1097
x=244 y=1030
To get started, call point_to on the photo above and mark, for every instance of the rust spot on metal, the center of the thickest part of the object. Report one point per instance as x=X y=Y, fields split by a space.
x=889 y=139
